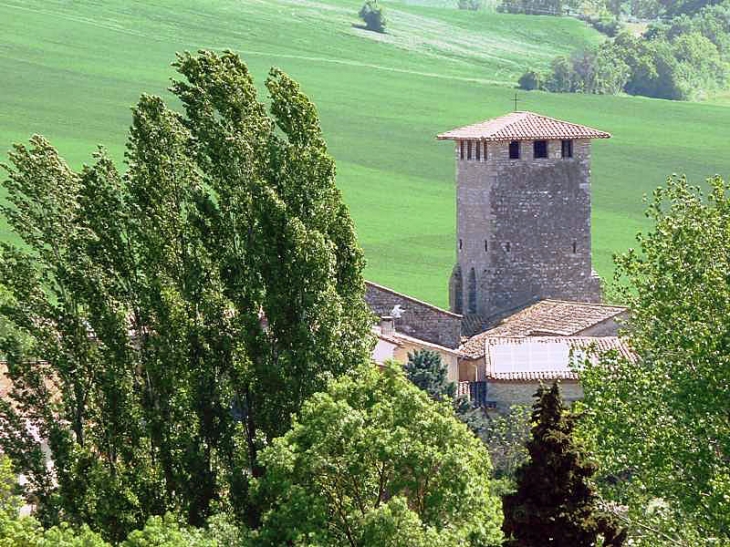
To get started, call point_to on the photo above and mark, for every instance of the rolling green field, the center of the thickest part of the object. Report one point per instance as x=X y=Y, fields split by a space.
x=71 y=69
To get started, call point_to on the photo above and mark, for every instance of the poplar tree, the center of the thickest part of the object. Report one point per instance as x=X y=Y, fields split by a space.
x=555 y=503
x=161 y=325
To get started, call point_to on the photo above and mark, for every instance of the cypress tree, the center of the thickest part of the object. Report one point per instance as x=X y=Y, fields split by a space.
x=555 y=504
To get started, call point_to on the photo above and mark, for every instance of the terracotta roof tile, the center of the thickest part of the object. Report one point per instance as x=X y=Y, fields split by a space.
x=547 y=317
x=523 y=126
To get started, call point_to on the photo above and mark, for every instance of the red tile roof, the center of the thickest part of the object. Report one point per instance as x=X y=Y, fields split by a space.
x=523 y=126
x=547 y=317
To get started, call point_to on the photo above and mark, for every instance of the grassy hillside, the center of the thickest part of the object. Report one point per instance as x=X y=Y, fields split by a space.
x=72 y=69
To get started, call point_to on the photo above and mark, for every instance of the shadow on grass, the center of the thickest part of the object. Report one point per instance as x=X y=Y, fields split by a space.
x=365 y=27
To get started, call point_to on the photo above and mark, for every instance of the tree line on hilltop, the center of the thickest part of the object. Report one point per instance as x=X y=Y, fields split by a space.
x=188 y=343
x=685 y=58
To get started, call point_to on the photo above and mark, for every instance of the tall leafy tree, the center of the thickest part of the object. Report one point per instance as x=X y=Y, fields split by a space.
x=374 y=461
x=162 y=324
x=662 y=421
x=555 y=502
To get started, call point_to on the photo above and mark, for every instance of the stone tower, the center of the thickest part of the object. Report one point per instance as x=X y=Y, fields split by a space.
x=523 y=204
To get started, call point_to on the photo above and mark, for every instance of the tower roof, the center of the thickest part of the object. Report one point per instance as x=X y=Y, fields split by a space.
x=523 y=126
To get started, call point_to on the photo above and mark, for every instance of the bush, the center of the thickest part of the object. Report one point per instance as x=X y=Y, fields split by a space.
x=532 y=7
x=472 y=5
x=610 y=26
x=530 y=80
x=373 y=15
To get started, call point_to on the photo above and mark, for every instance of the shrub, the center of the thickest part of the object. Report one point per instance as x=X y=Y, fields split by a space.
x=472 y=5
x=373 y=15
x=530 y=80
x=610 y=26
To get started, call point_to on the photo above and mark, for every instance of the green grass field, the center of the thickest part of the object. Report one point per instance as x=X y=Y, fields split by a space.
x=72 y=69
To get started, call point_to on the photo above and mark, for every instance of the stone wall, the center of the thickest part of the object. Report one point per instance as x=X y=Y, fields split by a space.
x=418 y=319
x=609 y=327
x=509 y=393
x=524 y=229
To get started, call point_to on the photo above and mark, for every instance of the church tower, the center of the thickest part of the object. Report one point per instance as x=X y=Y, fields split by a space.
x=523 y=204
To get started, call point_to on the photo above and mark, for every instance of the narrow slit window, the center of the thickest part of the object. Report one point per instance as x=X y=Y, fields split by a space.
x=472 y=291
x=486 y=246
x=468 y=150
x=479 y=151
x=567 y=149
x=575 y=247
x=461 y=149
x=540 y=149
x=461 y=243
x=514 y=150
x=507 y=247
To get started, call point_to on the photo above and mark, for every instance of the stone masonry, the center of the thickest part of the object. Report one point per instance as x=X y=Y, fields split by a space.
x=523 y=229
x=417 y=319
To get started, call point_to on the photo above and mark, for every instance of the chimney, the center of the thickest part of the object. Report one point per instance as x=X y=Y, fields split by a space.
x=387 y=326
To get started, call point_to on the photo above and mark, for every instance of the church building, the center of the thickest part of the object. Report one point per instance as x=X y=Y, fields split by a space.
x=523 y=257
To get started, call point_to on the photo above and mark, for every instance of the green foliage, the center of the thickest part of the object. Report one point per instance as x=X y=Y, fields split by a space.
x=167 y=531
x=532 y=7
x=505 y=436
x=427 y=372
x=24 y=531
x=608 y=25
x=530 y=80
x=164 y=325
x=555 y=501
x=374 y=461
x=684 y=60
x=662 y=422
x=472 y=5
x=374 y=16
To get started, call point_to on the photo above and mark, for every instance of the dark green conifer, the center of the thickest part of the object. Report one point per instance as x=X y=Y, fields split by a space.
x=426 y=370
x=555 y=504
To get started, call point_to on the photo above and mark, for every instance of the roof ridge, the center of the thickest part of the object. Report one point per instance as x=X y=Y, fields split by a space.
x=523 y=125
x=561 y=121
x=411 y=298
x=579 y=303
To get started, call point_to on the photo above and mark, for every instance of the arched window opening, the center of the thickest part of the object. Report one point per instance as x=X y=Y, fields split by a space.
x=458 y=291
x=472 y=291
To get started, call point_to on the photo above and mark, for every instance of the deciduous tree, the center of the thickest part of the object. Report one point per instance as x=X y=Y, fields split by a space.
x=662 y=421
x=162 y=324
x=375 y=461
